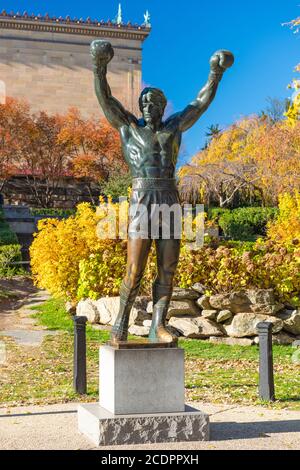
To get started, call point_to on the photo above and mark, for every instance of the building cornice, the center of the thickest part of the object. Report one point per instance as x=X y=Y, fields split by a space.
x=67 y=25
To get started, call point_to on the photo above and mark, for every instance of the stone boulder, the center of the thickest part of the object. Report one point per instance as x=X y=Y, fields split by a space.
x=280 y=339
x=209 y=314
x=259 y=301
x=138 y=316
x=186 y=326
x=244 y=324
x=139 y=330
x=200 y=288
x=88 y=308
x=184 y=294
x=178 y=308
x=106 y=309
x=234 y=301
x=70 y=308
x=196 y=327
x=261 y=296
x=232 y=341
x=223 y=316
x=266 y=309
x=203 y=303
x=291 y=321
x=283 y=339
x=209 y=328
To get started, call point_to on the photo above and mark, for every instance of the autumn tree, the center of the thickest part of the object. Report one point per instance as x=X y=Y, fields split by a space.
x=253 y=159
x=275 y=109
x=44 y=160
x=29 y=147
x=44 y=149
x=94 y=148
x=225 y=167
x=14 y=122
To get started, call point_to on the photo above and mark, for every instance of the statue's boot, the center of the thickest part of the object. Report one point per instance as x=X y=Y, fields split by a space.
x=128 y=295
x=161 y=300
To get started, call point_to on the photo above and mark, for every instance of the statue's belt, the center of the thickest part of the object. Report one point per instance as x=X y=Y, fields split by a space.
x=154 y=184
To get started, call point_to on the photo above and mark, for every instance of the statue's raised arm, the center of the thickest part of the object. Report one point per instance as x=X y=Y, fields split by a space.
x=219 y=63
x=102 y=53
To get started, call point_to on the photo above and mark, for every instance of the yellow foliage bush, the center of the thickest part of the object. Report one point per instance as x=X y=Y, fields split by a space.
x=70 y=259
x=286 y=228
x=58 y=248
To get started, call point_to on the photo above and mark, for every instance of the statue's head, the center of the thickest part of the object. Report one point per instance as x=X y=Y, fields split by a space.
x=152 y=104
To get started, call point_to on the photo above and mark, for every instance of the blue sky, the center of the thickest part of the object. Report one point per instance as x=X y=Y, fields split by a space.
x=184 y=36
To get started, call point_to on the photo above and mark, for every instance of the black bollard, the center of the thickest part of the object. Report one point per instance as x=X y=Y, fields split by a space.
x=79 y=365
x=266 y=376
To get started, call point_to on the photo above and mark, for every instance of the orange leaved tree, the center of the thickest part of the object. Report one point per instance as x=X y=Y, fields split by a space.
x=93 y=146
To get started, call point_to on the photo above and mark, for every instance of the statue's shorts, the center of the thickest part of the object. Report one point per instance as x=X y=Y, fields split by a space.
x=155 y=211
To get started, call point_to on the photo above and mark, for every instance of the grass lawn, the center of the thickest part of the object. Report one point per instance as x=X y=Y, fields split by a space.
x=214 y=373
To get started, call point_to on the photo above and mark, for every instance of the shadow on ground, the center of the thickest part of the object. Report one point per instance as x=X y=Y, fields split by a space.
x=233 y=430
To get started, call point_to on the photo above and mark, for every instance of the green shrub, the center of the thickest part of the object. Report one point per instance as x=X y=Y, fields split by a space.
x=214 y=213
x=246 y=223
x=7 y=236
x=10 y=254
x=55 y=212
x=116 y=186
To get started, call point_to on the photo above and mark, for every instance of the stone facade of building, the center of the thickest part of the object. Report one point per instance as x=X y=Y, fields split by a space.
x=47 y=62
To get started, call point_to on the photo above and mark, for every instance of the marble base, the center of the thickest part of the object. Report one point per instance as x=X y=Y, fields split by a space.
x=106 y=429
x=139 y=381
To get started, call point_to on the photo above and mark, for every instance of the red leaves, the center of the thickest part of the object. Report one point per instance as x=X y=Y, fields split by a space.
x=48 y=147
x=93 y=146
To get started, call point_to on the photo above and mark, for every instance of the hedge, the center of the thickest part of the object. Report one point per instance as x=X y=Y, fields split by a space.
x=7 y=236
x=246 y=223
x=53 y=212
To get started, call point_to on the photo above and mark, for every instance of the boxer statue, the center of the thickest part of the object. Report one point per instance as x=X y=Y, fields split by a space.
x=151 y=146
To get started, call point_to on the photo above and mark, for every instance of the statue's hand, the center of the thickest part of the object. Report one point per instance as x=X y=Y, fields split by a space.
x=220 y=61
x=101 y=52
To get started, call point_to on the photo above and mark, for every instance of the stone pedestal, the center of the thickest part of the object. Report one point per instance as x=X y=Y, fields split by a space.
x=135 y=381
x=141 y=399
x=105 y=429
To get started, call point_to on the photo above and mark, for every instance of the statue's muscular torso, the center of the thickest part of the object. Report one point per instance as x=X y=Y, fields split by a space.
x=151 y=154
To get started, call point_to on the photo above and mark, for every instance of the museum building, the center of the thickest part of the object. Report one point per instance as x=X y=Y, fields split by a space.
x=46 y=61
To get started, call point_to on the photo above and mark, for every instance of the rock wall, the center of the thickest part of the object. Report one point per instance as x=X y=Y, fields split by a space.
x=229 y=318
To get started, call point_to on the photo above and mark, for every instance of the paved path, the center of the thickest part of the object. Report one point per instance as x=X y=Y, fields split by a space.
x=27 y=337
x=232 y=427
x=15 y=314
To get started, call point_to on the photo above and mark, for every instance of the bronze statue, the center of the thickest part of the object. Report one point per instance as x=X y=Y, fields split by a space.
x=151 y=146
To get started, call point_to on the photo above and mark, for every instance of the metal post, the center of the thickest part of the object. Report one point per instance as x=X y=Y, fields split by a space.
x=79 y=365
x=266 y=377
